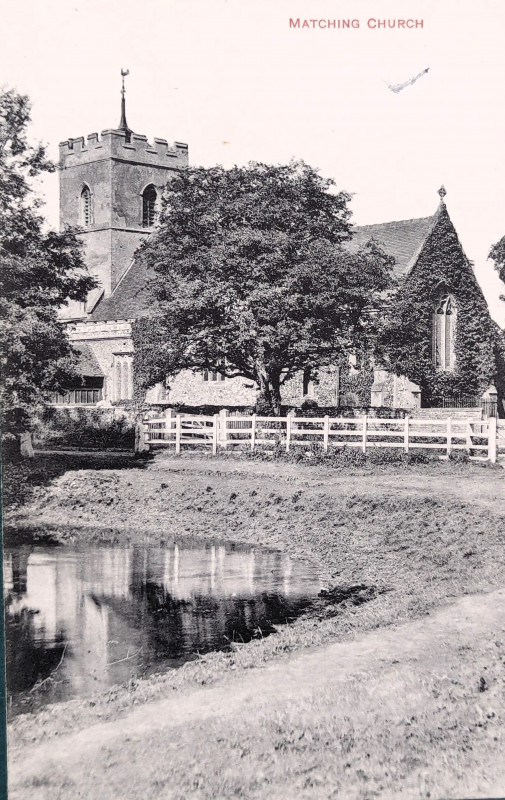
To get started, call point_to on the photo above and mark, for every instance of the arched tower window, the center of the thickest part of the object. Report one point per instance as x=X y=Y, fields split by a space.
x=86 y=216
x=149 y=206
x=444 y=330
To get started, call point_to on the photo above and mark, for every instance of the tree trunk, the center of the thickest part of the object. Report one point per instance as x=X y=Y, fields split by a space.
x=269 y=398
x=25 y=445
x=276 y=395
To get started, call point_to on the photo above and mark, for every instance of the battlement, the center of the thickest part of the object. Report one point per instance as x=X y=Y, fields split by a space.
x=114 y=144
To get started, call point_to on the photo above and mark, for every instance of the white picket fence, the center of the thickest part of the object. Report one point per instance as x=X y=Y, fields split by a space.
x=477 y=437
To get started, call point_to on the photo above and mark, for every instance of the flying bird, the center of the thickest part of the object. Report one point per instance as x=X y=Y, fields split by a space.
x=398 y=87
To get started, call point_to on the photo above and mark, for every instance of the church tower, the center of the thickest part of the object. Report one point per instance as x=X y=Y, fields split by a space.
x=110 y=188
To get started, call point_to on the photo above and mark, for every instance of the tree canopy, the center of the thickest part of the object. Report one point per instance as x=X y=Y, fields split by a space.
x=251 y=277
x=497 y=253
x=39 y=271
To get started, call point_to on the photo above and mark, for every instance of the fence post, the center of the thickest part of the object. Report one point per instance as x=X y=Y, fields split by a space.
x=469 y=436
x=168 y=424
x=492 y=434
x=223 y=428
x=177 y=433
x=365 y=420
x=142 y=436
x=406 y=434
x=253 y=432
x=326 y=432
x=449 y=436
x=215 y=431
x=288 y=432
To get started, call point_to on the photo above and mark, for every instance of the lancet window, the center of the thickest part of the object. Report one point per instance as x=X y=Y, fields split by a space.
x=444 y=330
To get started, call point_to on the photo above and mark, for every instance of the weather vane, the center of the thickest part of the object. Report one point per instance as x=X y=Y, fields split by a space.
x=124 y=73
x=123 y=125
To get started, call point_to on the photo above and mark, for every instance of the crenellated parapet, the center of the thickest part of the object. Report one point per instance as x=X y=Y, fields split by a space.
x=122 y=146
x=90 y=331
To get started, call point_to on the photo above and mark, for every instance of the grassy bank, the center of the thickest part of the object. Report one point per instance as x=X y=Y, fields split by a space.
x=418 y=535
x=412 y=712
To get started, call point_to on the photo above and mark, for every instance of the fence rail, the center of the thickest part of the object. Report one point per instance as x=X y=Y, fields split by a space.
x=477 y=437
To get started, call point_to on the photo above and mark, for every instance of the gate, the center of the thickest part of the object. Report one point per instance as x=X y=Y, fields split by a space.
x=182 y=429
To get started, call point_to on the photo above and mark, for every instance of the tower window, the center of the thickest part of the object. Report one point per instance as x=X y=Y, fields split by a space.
x=149 y=206
x=444 y=327
x=86 y=207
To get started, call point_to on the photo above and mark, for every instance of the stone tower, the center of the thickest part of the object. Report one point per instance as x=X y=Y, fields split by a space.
x=110 y=188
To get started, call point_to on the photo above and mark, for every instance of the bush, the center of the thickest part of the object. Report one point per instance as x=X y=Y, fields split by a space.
x=85 y=428
x=342 y=457
x=379 y=412
x=386 y=455
x=421 y=457
x=205 y=410
x=10 y=447
x=347 y=457
x=459 y=456
x=309 y=403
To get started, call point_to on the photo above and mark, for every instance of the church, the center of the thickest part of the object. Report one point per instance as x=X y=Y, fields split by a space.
x=111 y=187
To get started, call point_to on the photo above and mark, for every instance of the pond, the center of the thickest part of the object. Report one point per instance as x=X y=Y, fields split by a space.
x=82 y=619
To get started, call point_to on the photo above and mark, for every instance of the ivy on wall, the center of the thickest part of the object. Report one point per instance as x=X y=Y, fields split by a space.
x=356 y=386
x=151 y=364
x=442 y=269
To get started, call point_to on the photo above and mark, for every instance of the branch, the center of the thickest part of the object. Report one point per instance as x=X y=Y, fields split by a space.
x=50 y=676
x=126 y=658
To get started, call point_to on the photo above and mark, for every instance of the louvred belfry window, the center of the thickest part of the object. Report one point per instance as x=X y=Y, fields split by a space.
x=149 y=206
x=86 y=206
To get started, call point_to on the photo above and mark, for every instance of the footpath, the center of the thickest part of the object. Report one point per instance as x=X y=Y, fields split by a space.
x=412 y=711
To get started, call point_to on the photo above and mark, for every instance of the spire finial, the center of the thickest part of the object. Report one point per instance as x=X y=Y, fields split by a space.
x=442 y=193
x=123 y=125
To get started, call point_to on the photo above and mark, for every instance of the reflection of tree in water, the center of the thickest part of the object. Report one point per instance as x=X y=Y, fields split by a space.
x=29 y=657
x=131 y=612
x=176 y=628
x=19 y=564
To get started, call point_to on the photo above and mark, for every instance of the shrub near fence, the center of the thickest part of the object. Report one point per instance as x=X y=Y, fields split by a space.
x=84 y=428
x=445 y=437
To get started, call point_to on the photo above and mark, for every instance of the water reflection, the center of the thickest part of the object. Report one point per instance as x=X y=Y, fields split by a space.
x=80 y=620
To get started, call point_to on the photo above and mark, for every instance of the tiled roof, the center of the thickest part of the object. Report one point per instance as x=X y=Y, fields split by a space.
x=129 y=299
x=403 y=240
x=87 y=364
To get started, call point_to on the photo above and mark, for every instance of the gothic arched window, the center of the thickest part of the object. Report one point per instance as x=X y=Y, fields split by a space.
x=444 y=329
x=149 y=206
x=86 y=216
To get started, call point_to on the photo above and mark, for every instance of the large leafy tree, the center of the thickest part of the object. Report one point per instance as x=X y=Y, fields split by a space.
x=39 y=271
x=497 y=253
x=251 y=277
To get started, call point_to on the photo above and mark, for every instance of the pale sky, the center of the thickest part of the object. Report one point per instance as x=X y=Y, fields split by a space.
x=230 y=78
